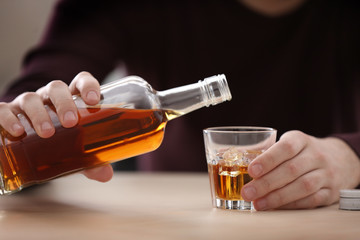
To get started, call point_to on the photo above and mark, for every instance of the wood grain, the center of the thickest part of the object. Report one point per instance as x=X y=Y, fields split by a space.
x=155 y=206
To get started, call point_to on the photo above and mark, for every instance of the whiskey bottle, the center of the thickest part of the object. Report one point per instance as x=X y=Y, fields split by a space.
x=129 y=120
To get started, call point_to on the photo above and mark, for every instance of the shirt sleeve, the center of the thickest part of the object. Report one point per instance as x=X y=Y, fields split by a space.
x=80 y=37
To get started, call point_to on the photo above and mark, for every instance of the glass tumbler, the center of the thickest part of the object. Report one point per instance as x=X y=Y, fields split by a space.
x=229 y=151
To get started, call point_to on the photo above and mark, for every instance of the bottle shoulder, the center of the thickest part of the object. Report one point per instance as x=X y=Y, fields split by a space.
x=129 y=80
x=129 y=92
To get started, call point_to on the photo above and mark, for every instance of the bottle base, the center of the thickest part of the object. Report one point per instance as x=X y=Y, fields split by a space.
x=4 y=190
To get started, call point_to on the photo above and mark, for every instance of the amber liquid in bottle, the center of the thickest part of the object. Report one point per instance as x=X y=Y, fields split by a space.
x=102 y=135
x=128 y=121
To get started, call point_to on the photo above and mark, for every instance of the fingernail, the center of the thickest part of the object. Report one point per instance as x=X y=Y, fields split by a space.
x=261 y=204
x=69 y=116
x=45 y=126
x=92 y=96
x=249 y=192
x=256 y=170
x=17 y=127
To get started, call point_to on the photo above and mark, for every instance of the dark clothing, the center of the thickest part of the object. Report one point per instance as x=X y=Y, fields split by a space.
x=297 y=71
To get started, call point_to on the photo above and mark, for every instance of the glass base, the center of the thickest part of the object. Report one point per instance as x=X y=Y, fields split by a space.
x=234 y=204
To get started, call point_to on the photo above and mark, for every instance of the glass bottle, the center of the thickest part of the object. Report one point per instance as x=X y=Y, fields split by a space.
x=129 y=120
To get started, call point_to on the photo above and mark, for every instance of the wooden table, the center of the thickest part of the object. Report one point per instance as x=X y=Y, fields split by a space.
x=155 y=206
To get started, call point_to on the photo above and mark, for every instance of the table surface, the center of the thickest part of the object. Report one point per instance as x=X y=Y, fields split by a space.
x=156 y=206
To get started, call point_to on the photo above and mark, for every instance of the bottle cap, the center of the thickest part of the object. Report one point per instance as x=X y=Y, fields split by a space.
x=350 y=199
x=216 y=89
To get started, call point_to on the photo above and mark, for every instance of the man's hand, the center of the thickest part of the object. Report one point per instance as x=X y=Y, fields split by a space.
x=57 y=93
x=301 y=171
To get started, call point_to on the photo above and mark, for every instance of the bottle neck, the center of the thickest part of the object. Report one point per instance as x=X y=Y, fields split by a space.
x=185 y=99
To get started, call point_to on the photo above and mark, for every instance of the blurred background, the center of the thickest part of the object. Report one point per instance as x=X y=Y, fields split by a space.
x=21 y=25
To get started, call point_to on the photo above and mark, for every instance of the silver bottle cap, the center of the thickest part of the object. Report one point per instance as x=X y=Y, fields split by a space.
x=350 y=199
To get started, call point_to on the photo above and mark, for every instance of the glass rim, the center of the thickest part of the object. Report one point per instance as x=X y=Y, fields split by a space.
x=239 y=129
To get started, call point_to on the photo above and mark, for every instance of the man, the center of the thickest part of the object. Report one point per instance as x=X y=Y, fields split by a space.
x=290 y=65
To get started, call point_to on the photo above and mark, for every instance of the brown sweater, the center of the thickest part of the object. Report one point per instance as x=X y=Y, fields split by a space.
x=298 y=71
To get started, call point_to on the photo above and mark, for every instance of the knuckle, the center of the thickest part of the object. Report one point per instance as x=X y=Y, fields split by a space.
x=271 y=159
x=289 y=146
x=265 y=185
x=293 y=168
x=308 y=184
x=333 y=178
x=27 y=96
x=53 y=85
x=277 y=199
x=6 y=119
x=321 y=198
x=7 y=116
x=291 y=139
x=83 y=73
x=316 y=200
x=81 y=80
x=3 y=105
x=331 y=173
x=320 y=156
x=297 y=133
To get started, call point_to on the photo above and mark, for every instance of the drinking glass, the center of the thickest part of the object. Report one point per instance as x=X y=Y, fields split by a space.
x=229 y=151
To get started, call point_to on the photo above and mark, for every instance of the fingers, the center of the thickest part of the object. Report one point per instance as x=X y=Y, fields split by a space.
x=101 y=174
x=31 y=104
x=59 y=95
x=289 y=145
x=302 y=188
x=88 y=87
x=9 y=121
x=57 y=92
x=280 y=176
x=301 y=171
x=289 y=170
x=322 y=197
